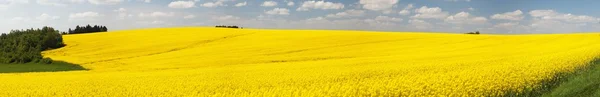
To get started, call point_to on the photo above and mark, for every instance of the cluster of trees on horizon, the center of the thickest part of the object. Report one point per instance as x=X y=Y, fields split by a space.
x=24 y=46
x=476 y=32
x=224 y=26
x=87 y=29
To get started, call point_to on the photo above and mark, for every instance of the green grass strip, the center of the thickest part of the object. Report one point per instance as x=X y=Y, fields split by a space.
x=583 y=84
x=39 y=67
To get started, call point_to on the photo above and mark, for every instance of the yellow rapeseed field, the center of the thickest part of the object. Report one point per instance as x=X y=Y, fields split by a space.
x=191 y=61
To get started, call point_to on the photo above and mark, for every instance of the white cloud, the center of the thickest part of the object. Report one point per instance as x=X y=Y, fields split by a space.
x=269 y=4
x=307 y=5
x=51 y=2
x=77 y=1
x=182 y=4
x=420 y=24
x=146 y=1
x=471 y=9
x=122 y=13
x=45 y=17
x=290 y=3
x=105 y=2
x=189 y=17
x=465 y=18
x=241 y=4
x=316 y=19
x=20 y=19
x=278 y=11
x=553 y=15
x=515 y=16
x=406 y=9
x=157 y=22
x=120 y=10
x=7 y=3
x=226 y=18
x=84 y=15
x=213 y=4
x=430 y=13
x=550 y=21
x=347 y=13
x=156 y=14
x=508 y=25
x=404 y=12
x=378 y=5
x=380 y=21
x=388 y=19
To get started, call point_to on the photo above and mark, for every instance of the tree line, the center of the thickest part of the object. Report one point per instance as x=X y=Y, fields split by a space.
x=476 y=32
x=224 y=26
x=87 y=29
x=24 y=46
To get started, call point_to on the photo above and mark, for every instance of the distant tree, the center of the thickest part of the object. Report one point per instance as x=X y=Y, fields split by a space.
x=104 y=29
x=88 y=29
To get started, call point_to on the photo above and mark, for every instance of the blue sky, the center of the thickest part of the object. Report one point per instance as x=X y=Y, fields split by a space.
x=454 y=16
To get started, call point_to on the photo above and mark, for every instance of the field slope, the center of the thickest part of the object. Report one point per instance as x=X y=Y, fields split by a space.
x=256 y=62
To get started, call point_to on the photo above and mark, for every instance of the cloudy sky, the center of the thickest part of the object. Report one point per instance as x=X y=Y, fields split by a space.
x=455 y=16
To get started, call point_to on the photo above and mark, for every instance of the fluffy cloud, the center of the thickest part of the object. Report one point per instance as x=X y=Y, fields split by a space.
x=465 y=18
x=189 y=17
x=181 y=4
x=515 y=16
x=120 y=10
x=122 y=13
x=157 y=22
x=241 y=4
x=4 y=4
x=226 y=18
x=553 y=15
x=550 y=21
x=212 y=4
x=430 y=13
x=51 y=2
x=105 y=2
x=387 y=19
x=278 y=11
x=378 y=5
x=406 y=9
x=419 y=24
x=20 y=19
x=269 y=4
x=383 y=21
x=347 y=13
x=45 y=17
x=404 y=12
x=84 y=15
x=290 y=3
x=508 y=25
x=307 y=5
x=146 y=1
x=156 y=14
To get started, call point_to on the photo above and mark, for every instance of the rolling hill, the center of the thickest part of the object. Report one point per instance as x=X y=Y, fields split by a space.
x=196 y=61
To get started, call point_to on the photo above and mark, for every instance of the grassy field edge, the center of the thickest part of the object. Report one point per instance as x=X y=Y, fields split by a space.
x=584 y=83
x=39 y=67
